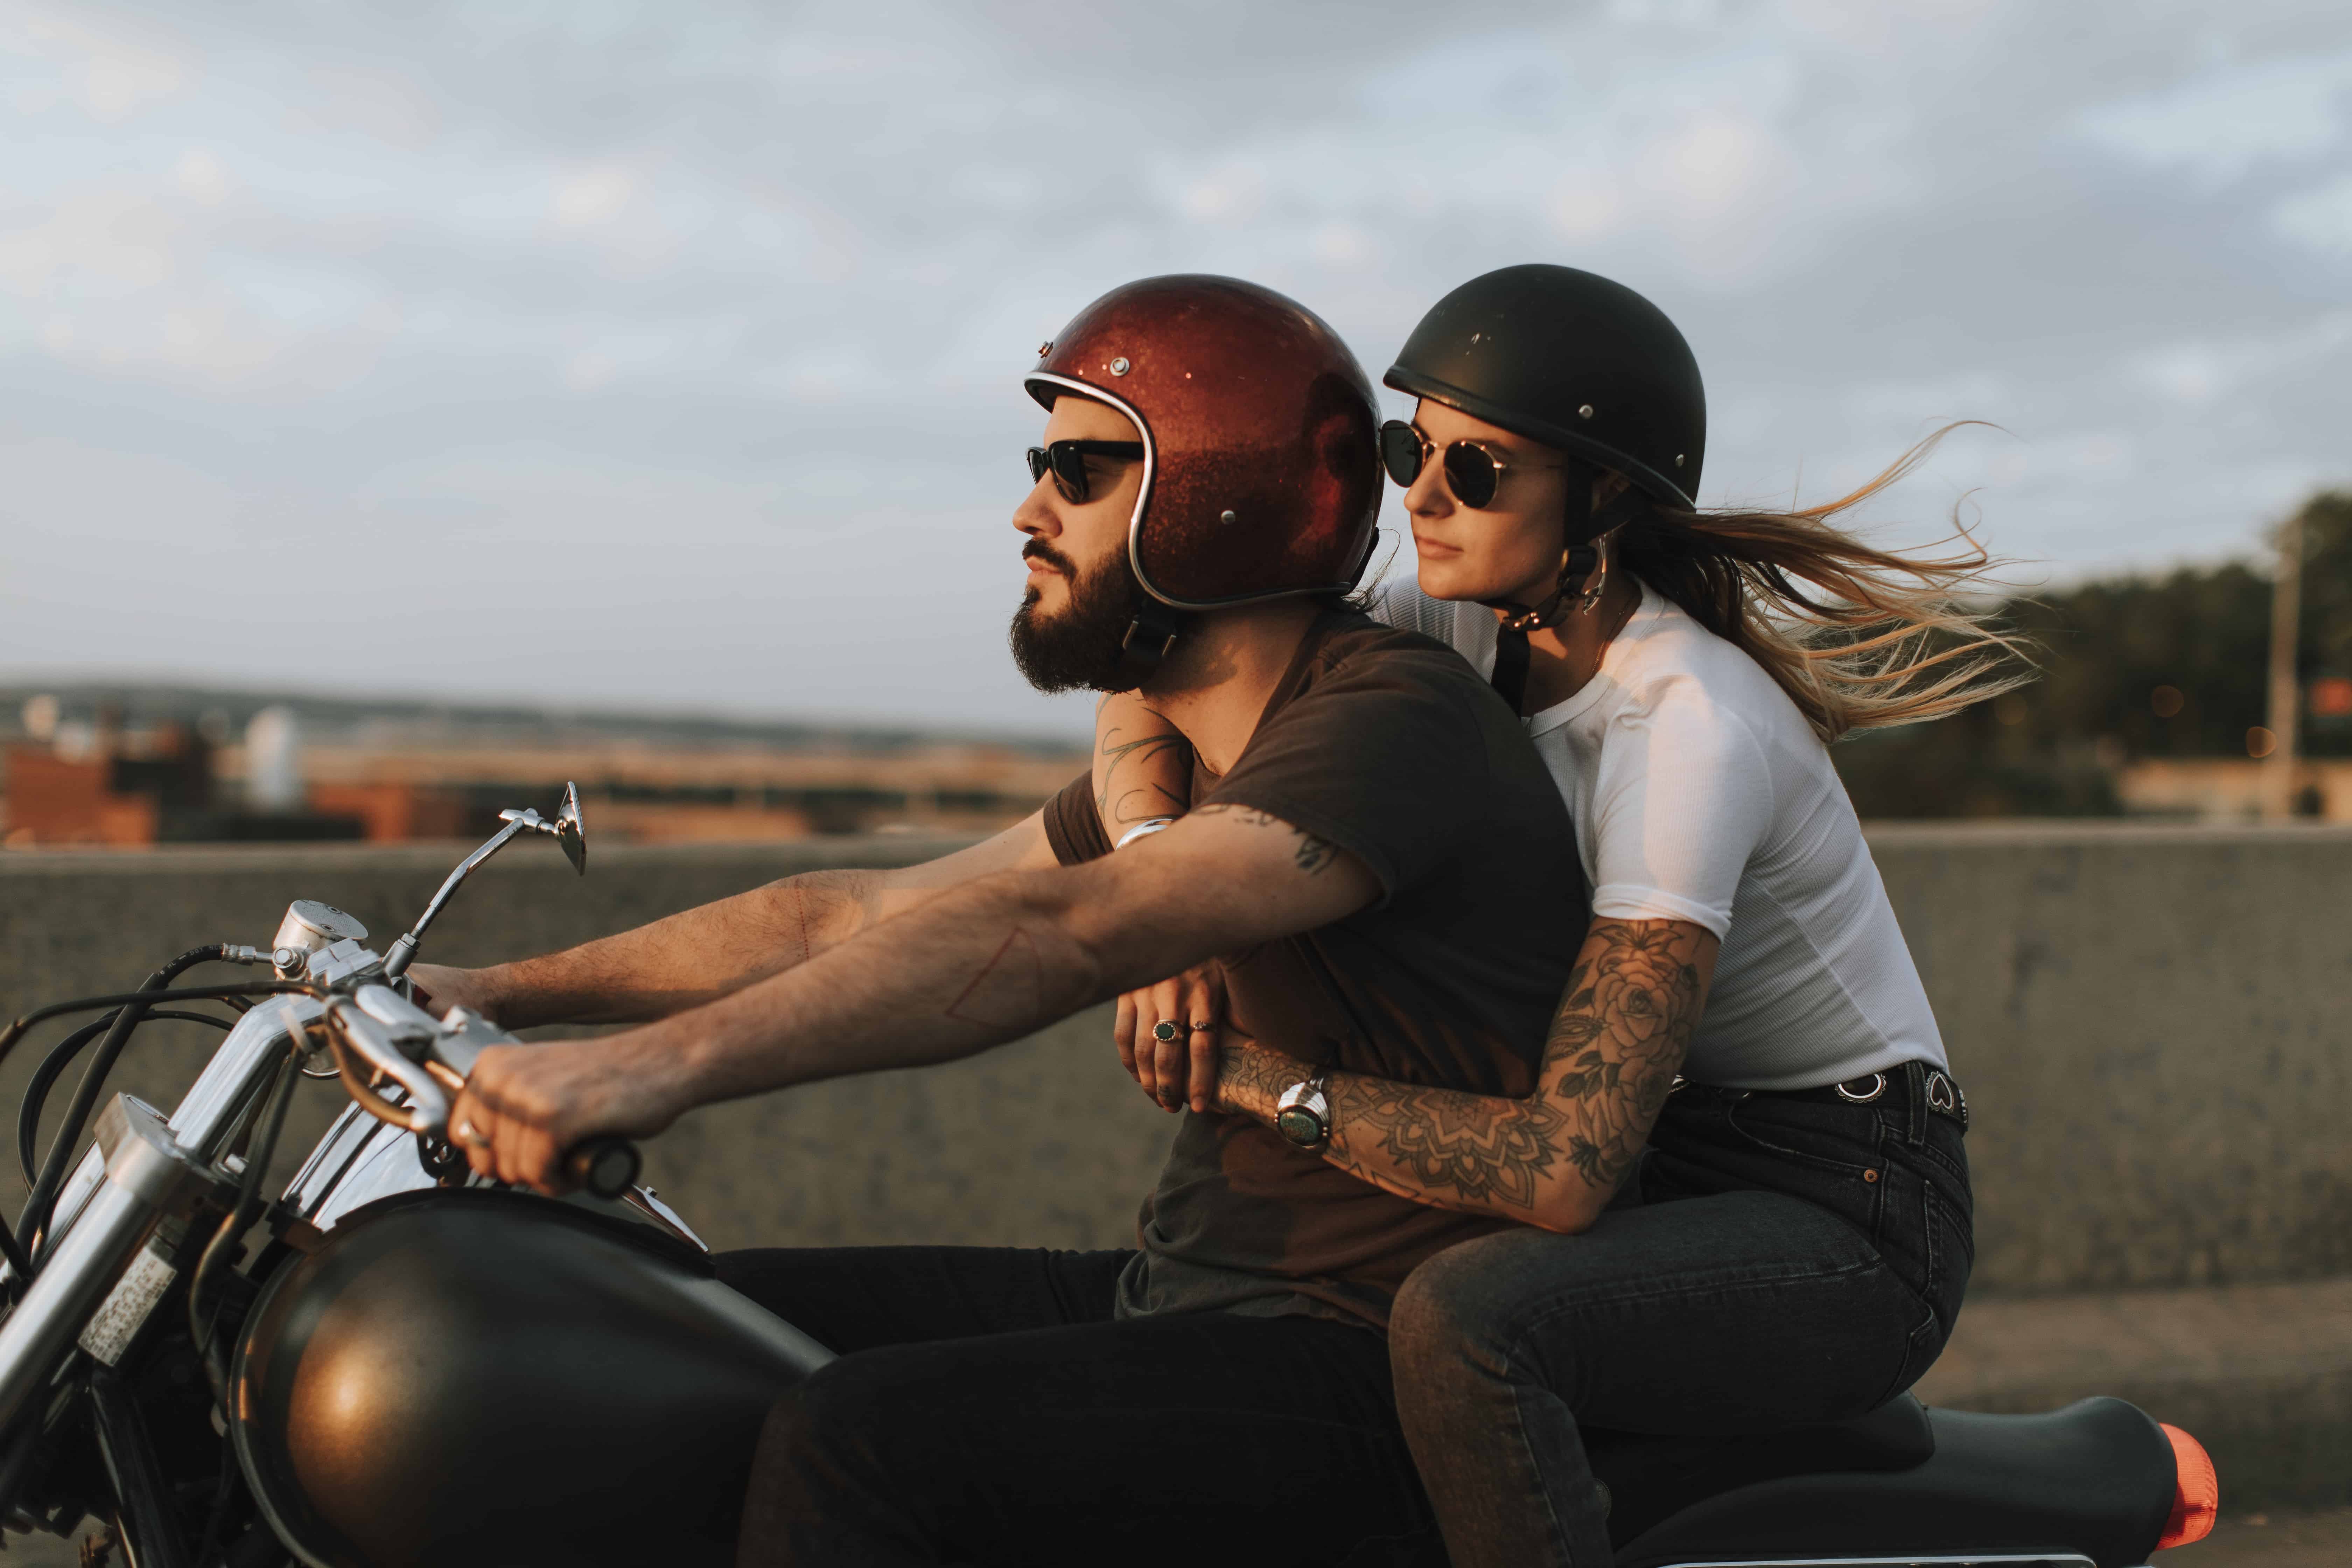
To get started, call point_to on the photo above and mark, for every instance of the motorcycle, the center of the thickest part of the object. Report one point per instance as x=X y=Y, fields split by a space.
x=410 y=1364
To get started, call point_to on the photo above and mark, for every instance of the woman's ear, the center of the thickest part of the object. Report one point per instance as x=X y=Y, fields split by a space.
x=1607 y=486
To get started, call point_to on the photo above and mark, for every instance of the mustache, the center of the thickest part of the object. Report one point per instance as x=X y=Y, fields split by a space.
x=1038 y=550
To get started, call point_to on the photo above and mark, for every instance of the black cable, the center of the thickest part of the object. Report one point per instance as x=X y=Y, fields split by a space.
x=37 y=1092
x=15 y=1031
x=61 y=1056
x=257 y=1163
x=42 y=1201
x=19 y=1265
x=40 y=1206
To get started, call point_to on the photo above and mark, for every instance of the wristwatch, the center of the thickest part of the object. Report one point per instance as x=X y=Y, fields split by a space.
x=1303 y=1115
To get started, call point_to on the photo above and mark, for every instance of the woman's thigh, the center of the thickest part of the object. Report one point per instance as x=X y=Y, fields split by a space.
x=1739 y=1311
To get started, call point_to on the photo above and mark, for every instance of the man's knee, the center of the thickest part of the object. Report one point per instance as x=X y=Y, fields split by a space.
x=837 y=1421
x=827 y=1481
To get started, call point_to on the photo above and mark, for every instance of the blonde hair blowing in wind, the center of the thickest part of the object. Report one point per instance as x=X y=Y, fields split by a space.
x=1859 y=637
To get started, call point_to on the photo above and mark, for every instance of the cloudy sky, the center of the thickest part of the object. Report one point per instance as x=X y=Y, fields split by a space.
x=668 y=354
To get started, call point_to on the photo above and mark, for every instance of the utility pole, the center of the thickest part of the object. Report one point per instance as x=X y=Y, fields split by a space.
x=2285 y=699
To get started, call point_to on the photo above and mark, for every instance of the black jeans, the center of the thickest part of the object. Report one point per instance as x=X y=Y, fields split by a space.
x=1773 y=1263
x=988 y=1410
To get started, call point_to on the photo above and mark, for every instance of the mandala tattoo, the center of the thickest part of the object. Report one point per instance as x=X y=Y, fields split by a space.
x=1250 y=1079
x=1469 y=1146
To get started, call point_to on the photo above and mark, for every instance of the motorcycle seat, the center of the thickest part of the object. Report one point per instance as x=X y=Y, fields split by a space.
x=1650 y=1477
x=2092 y=1482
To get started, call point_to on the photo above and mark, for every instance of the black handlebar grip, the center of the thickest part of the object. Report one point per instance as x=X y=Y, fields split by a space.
x=607 y=1167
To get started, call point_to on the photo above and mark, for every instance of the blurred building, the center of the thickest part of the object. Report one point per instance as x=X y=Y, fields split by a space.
x=2229 y=789
x=397 y=776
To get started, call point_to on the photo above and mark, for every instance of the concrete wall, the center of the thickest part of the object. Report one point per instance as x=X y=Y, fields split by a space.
x=2150 y=1022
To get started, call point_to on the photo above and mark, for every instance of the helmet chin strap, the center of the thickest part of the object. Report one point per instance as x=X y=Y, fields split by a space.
x=1150 y=637
x=1585 y=557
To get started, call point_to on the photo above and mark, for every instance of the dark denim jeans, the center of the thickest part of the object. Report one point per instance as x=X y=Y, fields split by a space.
x=1773 y=1263
x=987 y=1410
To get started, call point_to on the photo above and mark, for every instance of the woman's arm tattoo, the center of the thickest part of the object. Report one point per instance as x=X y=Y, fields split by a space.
x=1621 y=1036
x=1471 y=1148
x=1622 y=1029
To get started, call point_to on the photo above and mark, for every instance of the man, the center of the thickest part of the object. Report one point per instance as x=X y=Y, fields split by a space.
x=1376 y=859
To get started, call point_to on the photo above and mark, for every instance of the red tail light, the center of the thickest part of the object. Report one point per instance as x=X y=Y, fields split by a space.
x=2196 y=1492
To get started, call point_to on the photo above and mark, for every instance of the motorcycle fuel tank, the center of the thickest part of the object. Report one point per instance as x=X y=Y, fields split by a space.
x=478 y=1378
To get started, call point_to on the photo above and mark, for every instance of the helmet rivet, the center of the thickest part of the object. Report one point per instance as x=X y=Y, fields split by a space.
x=1225 y=517
x=1045 y=348
x=1119 y=366
x=1679 y=459
x=1585 y=412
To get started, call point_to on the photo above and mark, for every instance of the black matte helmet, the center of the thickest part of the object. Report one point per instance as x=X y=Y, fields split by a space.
x=1582 y=364
x=1572 y=360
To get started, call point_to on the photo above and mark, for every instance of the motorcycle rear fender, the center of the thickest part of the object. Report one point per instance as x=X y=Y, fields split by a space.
x=478 y=1377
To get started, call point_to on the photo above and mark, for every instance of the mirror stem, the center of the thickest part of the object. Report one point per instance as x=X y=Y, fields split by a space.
x=404 y=951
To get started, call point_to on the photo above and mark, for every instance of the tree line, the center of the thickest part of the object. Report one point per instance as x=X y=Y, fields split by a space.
x=2131 y=667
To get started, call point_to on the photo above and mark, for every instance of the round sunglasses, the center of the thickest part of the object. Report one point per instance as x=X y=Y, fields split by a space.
x=1067 y=461
x=1471 y=472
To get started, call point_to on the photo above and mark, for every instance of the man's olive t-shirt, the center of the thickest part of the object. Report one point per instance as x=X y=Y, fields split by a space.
x=1387 y=744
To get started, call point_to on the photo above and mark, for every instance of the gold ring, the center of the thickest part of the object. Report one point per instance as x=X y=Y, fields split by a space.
x=1165 y=1031
x=1202 y=1029
x=471 y=1136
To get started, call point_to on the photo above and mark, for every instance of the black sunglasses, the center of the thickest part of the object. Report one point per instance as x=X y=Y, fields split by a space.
x=1067 y=461
x=1471 y=472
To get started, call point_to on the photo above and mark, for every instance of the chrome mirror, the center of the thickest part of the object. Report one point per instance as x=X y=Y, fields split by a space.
x=566 y=829
x=570 y=832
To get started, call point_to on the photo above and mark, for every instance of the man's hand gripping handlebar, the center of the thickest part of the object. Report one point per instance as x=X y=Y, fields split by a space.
x=380 y=1037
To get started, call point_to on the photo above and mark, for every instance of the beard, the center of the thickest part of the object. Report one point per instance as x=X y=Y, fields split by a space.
x=1082 y=648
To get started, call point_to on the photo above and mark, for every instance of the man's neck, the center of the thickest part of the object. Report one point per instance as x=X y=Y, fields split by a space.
x=1223 y=668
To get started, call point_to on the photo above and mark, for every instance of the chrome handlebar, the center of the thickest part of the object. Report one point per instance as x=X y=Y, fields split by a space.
x=431 y=1058
x=394 y=1038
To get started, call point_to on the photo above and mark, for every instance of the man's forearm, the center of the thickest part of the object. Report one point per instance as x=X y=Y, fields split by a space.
x=686 y=960
x=976 y=966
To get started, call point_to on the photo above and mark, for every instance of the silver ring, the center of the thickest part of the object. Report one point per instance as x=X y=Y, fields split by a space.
x=1165 y=1031
x=471 y=1136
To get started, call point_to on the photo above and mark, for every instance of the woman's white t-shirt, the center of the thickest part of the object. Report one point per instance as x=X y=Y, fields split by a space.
x=1699 y=792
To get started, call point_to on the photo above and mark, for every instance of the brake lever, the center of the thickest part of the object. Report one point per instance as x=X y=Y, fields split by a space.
x=607 y=1167
x=383 y=1028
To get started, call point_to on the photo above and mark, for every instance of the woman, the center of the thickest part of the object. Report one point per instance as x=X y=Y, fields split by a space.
x=1779 y=1235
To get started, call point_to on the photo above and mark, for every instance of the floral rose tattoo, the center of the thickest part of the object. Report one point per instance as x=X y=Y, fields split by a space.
x=1618 y=1039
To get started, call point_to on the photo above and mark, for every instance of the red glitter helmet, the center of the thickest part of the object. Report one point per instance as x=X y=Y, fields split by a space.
x=1261 y=467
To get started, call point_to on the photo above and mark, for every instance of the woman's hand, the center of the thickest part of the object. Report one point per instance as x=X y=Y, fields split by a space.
x=1184 y=1068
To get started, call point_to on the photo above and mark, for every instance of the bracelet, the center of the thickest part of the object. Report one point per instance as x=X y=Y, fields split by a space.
x=1144 y=830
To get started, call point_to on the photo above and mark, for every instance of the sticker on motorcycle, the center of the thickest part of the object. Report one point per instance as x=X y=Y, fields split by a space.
x=109 y=1333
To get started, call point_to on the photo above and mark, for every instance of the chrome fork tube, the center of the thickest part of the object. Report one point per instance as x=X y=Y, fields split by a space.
x=82 y=1267
x=207 y=1113
x=101 y=1224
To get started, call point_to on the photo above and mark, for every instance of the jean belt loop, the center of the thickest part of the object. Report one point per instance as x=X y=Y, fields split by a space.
x=1914 y=1098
